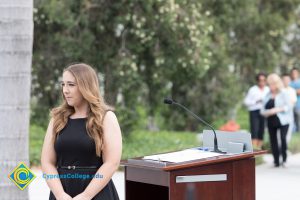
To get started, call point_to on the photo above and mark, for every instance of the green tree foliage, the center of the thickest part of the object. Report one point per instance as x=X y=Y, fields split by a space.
x=255 y=30
x=201 y=53
x=291 y=46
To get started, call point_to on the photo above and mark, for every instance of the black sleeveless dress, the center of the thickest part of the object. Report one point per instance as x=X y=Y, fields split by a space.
x=74 y=147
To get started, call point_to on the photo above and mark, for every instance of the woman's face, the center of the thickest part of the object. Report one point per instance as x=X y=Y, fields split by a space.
x=70 y=90
x=261 y=81
x=286 y=81
x=272 y=85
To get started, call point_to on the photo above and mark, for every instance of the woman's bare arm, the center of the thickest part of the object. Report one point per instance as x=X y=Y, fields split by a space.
x=48 y=162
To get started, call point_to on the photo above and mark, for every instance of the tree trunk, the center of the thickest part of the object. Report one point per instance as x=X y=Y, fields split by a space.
x=16 y=38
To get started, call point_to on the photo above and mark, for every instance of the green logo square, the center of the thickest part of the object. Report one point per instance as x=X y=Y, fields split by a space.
x=21 y=176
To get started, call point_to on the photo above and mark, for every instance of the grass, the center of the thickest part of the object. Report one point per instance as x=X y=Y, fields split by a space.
x=294 y=145
x=37 y=134
x=141 y=142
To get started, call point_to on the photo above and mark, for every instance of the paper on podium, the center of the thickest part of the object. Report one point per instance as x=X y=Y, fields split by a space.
x=182 y=156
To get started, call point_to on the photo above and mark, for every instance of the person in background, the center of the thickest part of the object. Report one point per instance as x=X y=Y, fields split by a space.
x=277 y=109
x=254 y=102
x=295 y=83
x=293 y=99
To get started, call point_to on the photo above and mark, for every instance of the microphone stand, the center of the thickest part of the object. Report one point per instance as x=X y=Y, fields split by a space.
x=216 y=148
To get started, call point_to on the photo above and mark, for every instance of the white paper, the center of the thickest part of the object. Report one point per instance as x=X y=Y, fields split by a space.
x=182 y=156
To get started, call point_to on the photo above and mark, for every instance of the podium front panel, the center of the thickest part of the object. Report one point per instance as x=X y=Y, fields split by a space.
x=211 y=182
x=228 y=177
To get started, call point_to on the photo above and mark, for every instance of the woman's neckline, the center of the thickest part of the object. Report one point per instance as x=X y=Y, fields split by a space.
x=78 y=118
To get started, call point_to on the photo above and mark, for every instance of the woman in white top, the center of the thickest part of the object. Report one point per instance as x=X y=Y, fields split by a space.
x=254 y=103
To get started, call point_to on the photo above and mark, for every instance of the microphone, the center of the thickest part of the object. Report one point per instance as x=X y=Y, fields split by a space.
x=216 y=148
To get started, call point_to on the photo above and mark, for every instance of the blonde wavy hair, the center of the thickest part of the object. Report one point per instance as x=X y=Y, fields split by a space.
x=276 y=80
x=88 y=84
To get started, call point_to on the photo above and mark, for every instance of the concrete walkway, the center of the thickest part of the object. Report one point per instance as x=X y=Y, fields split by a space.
x=38 y=189
x=271 y=183
x=278 y=183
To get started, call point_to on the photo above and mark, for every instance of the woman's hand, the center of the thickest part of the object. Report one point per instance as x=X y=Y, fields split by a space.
x=267 y=113
x=276 y=110
x=272 y=111
x=64 y=196
x=82 y=196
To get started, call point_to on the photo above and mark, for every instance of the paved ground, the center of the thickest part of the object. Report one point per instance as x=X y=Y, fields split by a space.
x=278 y=183
x=38 y=189
x=271 y=183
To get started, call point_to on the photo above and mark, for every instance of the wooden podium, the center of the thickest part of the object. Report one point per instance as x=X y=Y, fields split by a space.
x=223 y=177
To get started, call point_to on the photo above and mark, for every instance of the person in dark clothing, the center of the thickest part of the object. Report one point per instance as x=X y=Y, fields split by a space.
x=277 y=109
x=83 y=143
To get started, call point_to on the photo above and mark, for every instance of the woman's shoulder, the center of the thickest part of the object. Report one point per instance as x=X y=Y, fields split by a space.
x=110 y=118
x=283 y=96
x=284 y=92
x=109 y=115
x=268 y=95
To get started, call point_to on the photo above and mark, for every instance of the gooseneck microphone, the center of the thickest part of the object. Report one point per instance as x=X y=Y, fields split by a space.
x=216 y=148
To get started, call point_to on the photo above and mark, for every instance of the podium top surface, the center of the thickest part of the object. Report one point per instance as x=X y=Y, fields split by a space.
x=168 y=166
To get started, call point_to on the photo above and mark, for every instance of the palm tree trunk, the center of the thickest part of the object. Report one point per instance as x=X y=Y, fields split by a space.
x=16 y=38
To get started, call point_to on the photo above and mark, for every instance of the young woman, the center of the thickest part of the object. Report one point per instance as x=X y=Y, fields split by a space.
x=83 y=145
x=277 y=109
